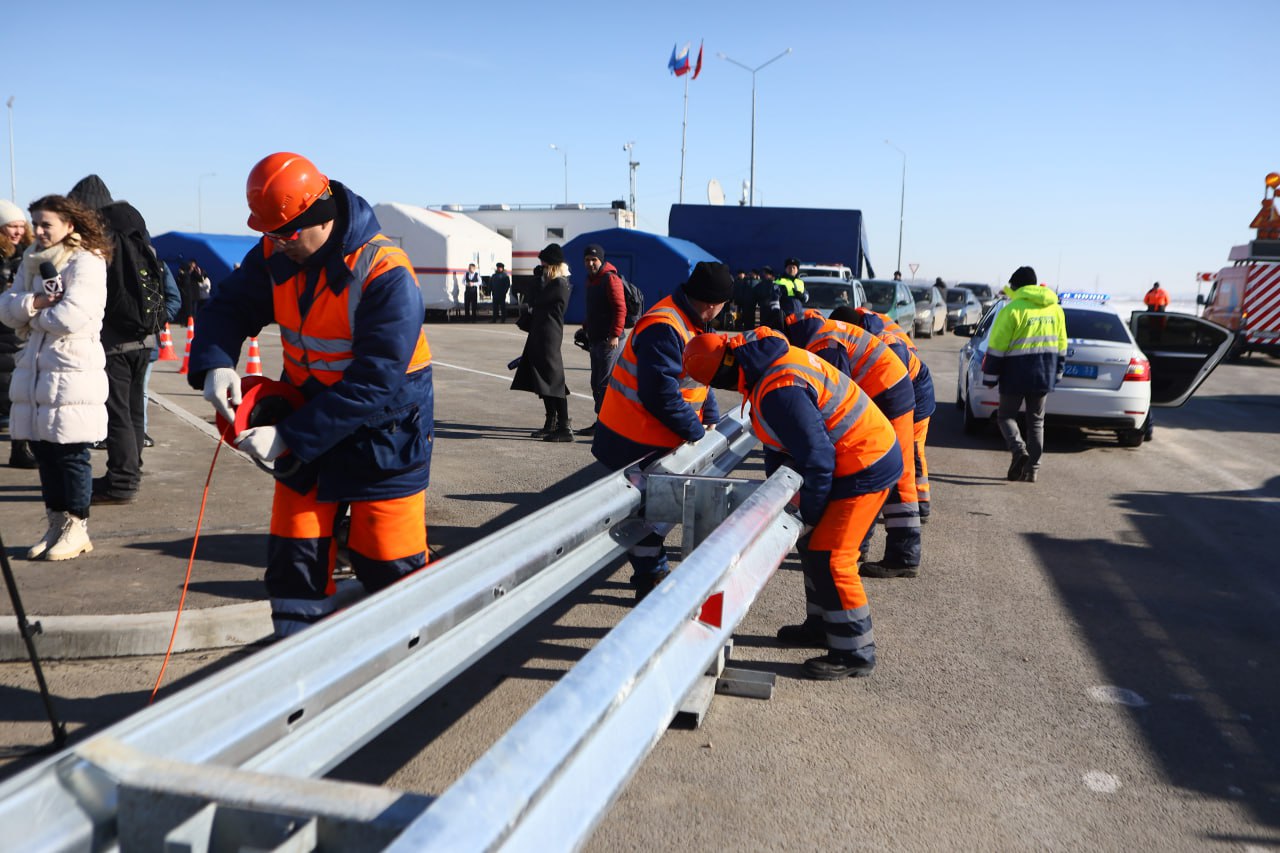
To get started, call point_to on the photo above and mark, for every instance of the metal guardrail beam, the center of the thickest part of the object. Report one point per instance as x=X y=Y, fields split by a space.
x=556 y=771
x=305 y=704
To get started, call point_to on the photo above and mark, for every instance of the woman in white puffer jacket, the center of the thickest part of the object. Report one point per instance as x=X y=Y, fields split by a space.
x=59 y=385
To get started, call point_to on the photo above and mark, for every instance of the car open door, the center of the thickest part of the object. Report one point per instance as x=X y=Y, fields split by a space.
x=1183 y=350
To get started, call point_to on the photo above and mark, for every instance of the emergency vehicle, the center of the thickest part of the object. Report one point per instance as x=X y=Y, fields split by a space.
x=1245 y=296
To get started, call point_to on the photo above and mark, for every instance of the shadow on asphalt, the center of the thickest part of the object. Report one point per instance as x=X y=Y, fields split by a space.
x=1187 y=619
x=240 y=549
x=86 y=715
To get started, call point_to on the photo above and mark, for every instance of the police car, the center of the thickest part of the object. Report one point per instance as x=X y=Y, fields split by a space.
x=1115 y=372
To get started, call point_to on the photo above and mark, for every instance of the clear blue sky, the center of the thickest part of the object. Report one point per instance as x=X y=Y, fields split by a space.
x=1108 y=144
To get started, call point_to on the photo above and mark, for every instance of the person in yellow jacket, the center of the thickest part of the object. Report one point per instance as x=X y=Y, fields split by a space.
x=347 y=304
x=1026 y=355
x=791 y=295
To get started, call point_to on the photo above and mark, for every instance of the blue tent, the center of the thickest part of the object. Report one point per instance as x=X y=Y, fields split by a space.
x=217 y=254
x=652 y=262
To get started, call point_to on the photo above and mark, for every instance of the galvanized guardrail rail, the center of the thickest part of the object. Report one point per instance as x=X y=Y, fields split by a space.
x=230 y=762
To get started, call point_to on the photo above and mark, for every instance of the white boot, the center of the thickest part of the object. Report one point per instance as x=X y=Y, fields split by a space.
x=73 y=542
x=57 y=519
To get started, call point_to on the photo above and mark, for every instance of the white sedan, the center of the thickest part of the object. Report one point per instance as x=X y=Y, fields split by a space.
x=1112 y=379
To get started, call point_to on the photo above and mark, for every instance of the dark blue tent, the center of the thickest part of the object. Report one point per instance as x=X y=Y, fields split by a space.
x=217 y=254
x=652 y=262
x=752 y=237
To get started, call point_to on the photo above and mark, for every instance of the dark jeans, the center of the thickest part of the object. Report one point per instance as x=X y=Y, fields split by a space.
x=499 y=306
x=603 y=358
x=126 y=424
x=66 y=476
x=1007 y=418
x=469 y=298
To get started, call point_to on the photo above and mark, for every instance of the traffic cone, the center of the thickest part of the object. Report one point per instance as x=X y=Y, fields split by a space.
x=254 y=366
x=166 y=345
x=191 y=333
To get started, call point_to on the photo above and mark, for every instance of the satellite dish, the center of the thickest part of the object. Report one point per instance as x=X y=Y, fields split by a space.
x=715 y=193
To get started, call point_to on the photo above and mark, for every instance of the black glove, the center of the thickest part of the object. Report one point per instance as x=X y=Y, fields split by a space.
x=581 y=340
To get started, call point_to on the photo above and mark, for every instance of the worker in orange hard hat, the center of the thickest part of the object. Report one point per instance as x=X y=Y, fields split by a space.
x=813 y=418
x=350 y=316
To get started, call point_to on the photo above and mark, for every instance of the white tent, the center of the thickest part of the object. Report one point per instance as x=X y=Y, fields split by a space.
x=440 y=244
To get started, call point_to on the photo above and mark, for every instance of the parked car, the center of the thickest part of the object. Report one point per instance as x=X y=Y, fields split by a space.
x=892 y=298
x=963 y=308
x=808 y=271
x=987 y=295
x=931 y=310
x=827 y=294
x=1115 y=373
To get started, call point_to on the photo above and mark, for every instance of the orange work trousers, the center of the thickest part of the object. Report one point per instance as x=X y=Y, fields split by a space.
x=922 y=467
x=832 y=585
x=387 y=541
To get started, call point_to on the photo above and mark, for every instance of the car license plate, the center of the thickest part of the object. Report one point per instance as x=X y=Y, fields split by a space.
x=1081 y=371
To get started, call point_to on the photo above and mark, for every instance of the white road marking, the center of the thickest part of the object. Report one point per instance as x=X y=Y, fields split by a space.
x=1109 y=695
x=497 y=376
x=1101 y=783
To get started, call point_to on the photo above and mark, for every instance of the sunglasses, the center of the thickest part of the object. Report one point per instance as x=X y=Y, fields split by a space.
x=284 y=238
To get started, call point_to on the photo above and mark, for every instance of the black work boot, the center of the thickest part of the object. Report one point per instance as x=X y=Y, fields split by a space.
x=885 y=569
x=548 y=426
x=20 y=455
x=1029 y=475
x=644 y=584
x=562 y=432
x=809 y=634
x=836 y=665
x=1016 y=467
x=587 y=430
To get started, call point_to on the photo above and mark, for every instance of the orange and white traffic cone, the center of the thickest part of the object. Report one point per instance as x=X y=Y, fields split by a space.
x=191 y=333
x=166 y=345
x=254 y=365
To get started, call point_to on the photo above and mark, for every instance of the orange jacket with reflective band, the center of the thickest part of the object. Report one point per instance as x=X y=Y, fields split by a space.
x=871 y=363
x=318 y=343
x=622 y=410
x=860 y=433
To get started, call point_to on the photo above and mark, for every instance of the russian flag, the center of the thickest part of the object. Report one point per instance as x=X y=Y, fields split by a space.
x=679 y=62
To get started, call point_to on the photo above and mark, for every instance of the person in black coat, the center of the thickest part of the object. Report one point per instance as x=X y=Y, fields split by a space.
x=541 y=367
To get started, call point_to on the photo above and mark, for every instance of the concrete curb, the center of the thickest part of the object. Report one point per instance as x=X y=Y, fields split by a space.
x=68 y=637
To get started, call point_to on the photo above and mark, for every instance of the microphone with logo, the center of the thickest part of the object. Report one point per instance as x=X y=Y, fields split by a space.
x=52 y=281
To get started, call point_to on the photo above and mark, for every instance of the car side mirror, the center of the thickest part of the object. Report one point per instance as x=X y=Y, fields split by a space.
x=964 y=331
x=1200 y=300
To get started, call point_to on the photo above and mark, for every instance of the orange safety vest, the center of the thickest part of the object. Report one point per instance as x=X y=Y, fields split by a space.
x=861 y=435
x=318 y=344
x=872 y=364
x=1156 y=298
x=622 y=410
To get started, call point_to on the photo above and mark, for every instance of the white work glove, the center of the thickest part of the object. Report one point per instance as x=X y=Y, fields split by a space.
x=262 y=443
x=222 y=384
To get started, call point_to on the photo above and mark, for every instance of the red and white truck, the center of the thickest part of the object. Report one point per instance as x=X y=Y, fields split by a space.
x=1245 y=296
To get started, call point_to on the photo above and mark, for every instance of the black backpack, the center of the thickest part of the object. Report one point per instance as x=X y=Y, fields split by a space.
x=135 y=306
x=635 y=302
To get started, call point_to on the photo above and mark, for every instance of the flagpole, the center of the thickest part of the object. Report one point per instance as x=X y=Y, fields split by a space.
x=684 y=130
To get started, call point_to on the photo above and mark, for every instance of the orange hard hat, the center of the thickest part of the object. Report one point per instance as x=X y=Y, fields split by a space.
x=281 y=187
x=703 y=356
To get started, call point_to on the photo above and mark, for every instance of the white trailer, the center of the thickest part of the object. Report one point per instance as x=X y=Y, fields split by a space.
x=530 y=229
x=440 y=244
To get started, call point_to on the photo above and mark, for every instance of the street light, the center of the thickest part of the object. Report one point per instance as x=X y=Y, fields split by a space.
x=631 y=166
x=565 y=152
x=902 y=202
x=13 y=176
x=752 y=186
x=200 y=200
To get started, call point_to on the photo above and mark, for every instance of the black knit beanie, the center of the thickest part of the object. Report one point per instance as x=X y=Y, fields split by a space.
x=1022 y=277
x=552 y=256
x=710 y=282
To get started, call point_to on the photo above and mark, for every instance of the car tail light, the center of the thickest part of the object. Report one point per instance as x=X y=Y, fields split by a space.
x=1139 y=370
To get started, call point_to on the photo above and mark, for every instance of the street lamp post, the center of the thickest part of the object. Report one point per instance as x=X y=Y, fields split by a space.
x=565 y=152
x=902 y=202
x=751 y=190
x=13 y=176
x=631 y=166
x=200 y=200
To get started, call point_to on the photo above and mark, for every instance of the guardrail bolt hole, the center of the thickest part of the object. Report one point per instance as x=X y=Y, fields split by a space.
x=413 y=641
x=295 y=716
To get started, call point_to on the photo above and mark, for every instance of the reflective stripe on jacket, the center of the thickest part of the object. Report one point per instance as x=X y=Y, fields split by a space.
x=317 y=341
x=1028 y=342
x=865 y=359
x=622 y=411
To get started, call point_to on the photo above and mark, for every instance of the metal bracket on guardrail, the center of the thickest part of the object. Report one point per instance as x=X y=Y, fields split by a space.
x=699 y=504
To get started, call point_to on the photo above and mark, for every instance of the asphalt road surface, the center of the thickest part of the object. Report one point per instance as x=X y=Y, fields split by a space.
x=1087 y=662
